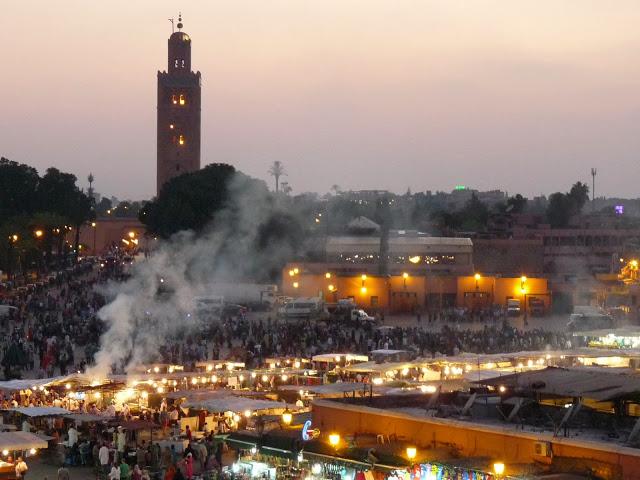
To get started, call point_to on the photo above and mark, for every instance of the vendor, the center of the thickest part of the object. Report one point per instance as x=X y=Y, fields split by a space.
x=73 y=436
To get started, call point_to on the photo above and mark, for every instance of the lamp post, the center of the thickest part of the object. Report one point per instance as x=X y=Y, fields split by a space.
x=93 y=225
x=405 y=275
x=477 y=278
x=498 y=469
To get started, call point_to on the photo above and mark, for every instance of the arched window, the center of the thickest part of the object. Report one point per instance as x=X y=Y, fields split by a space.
x=181 y=140
x=182 y=99
x=174 y=99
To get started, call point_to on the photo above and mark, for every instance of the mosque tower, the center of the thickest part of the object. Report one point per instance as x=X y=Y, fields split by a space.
x=178 y=112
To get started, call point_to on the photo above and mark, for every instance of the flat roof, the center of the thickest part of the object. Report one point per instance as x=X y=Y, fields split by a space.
x=601 y=384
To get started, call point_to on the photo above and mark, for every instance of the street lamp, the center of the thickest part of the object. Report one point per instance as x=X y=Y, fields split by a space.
x=405 y=275
x=38 y=233
x=334 y=439
x=477 y=277
x=498 y=468
x=287 y=417
x=411 y=453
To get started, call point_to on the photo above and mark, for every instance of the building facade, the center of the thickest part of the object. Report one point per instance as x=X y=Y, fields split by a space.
x=179 y=95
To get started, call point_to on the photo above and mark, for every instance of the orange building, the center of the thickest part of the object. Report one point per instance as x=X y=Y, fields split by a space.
x=406 y=292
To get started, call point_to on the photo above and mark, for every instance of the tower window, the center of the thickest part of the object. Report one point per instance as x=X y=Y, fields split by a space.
x=182 y=99
x=175 y=63
x=181 y=139
x=171 y=126
x=174 y=99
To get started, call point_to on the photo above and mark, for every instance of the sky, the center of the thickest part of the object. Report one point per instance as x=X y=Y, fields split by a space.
x=521 y=95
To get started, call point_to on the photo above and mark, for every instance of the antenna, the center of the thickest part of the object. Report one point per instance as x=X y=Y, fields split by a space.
x=172 y=29
x=594 y=172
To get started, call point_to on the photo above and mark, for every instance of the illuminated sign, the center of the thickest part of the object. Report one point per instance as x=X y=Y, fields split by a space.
x=308 y=433
x=460 y=187
x=619 y=209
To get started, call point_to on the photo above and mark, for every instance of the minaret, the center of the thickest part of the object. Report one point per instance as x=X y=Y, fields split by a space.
x=178 y=112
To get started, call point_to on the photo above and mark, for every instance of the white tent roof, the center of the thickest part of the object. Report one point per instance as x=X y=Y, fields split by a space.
x=41 y=411
x=235 y=404
x=331 y=357
x=21 y=441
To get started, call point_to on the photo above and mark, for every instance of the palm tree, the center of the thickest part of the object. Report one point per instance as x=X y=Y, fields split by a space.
x=276 y=170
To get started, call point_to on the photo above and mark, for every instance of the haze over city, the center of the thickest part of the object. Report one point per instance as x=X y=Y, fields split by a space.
x=525 y=96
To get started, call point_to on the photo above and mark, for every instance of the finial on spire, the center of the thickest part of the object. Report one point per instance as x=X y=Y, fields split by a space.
x=179 y=20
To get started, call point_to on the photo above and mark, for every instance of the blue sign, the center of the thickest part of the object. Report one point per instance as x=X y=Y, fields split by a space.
x=305 y=431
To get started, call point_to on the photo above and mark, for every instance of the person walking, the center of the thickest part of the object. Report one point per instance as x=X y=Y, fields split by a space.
x=21 y=469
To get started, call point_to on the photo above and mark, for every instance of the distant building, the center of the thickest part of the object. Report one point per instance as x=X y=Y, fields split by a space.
x=178 y=112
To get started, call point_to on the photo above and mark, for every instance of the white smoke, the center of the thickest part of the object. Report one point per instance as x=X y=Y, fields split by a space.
x=139 y=320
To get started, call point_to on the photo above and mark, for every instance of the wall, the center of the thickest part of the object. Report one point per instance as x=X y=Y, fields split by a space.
x=107 y=232
x=612 y=462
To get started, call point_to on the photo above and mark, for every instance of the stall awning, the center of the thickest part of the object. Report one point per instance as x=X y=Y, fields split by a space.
x=41 y=411
x=21 y=441
x=236 y=404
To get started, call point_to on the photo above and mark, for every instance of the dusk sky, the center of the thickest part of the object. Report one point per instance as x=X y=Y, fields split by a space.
x=521 y=95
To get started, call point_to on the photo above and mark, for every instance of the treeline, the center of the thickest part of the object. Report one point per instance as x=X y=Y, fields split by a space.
x=36 y=215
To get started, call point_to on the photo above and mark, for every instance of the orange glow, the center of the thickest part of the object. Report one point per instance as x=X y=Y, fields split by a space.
x=331 y=288
x=334 y=439
x=363 y=290
x=38 y=233
x=296 y=284
x=327 y=275
x=477 y=276
x=132 y=234
x=523 y=279
x=182 y=99
x=405 y=275
x=363 y=277
x=181 y=139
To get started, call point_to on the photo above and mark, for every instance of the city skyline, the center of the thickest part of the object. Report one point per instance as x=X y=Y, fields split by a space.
x=524 y=97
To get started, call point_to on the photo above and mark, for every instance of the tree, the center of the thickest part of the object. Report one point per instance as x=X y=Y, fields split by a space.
x=562 y=206
x=558 y=210
x=103 y=205
x=579 y=196
x=18 y=183
x=516 y=204
x=276 y=170
x=192 y=200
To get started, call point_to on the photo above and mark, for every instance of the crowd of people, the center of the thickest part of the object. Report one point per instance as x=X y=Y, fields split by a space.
x=56 y=330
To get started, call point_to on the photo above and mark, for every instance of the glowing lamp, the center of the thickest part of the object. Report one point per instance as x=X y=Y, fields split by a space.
x=33 y=451
x=287 y=418
x=363 y=290
x=334 y=439
x=498 y=468
x=327 y=275
x=477 y=276
x=405 y=275
x=247 y=413
x=411 y=453
x=296 y=284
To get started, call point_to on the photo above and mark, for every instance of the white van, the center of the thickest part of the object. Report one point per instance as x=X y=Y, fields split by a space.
x=302 y=307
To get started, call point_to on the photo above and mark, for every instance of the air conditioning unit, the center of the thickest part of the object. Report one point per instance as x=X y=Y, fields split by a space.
x=542 y=449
